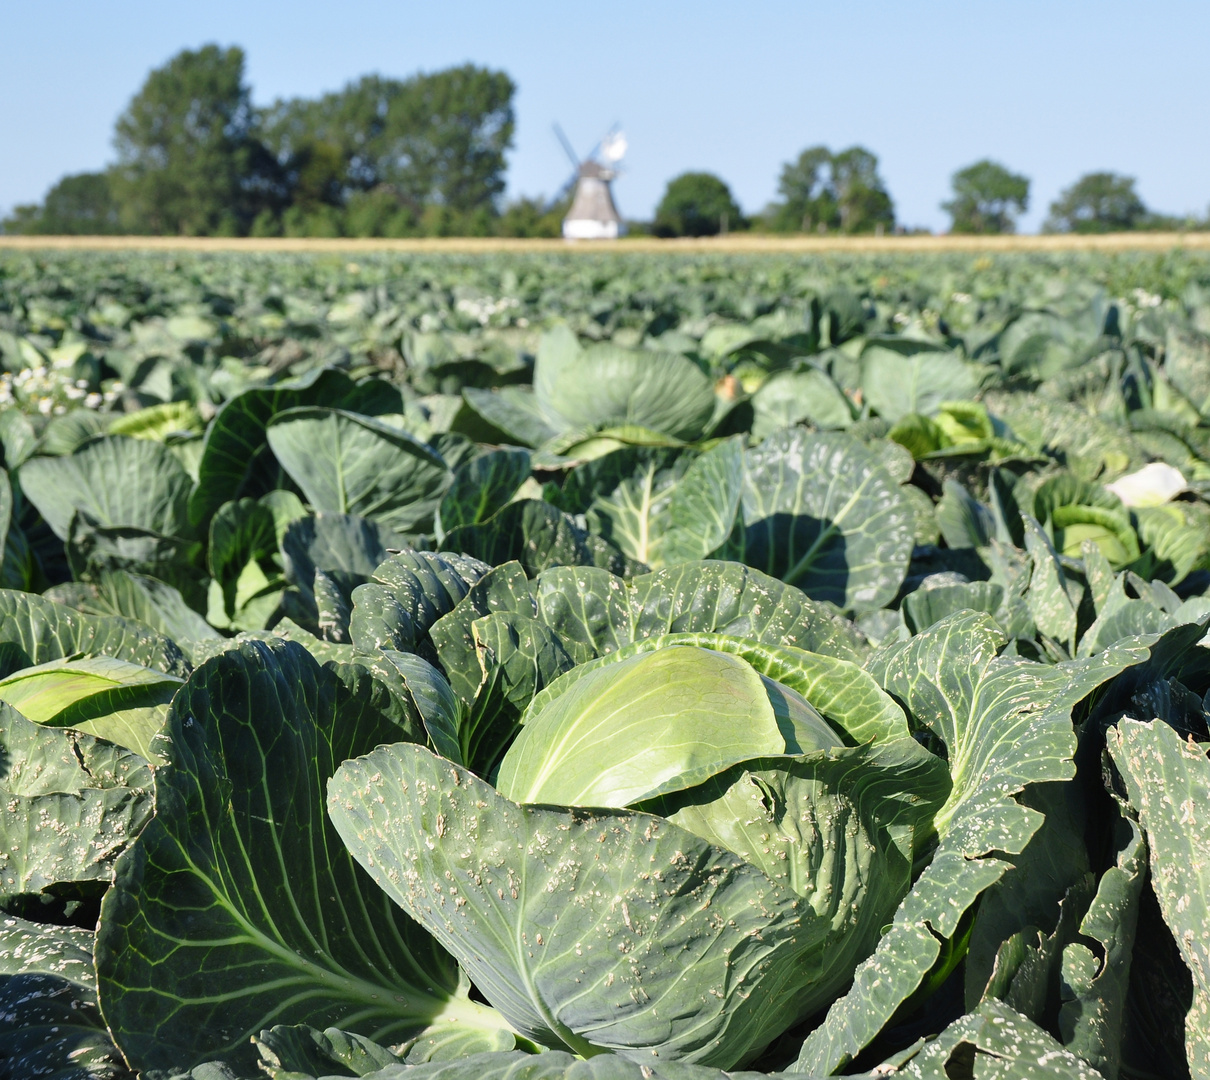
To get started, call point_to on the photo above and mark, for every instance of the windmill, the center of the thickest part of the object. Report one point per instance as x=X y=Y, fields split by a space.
x=593 y=215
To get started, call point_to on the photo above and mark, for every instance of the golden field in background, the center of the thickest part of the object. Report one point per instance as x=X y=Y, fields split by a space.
x=738 y=244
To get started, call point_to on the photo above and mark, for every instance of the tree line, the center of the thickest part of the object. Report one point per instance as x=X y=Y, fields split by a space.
x=381 y=157
x=823 y=192
x=425 y=156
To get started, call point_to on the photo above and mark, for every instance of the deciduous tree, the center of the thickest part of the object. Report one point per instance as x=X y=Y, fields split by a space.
x=438 y=138
x=188 y=158
x=825 y=191
x=697 y=204
x=79 y=205
x=1096 y=203
x=987 y=199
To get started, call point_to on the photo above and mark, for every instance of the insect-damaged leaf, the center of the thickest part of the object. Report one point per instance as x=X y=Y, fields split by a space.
x=630 y=910
x=239 y=907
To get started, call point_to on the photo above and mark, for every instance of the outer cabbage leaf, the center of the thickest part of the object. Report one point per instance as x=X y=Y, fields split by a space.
x=1168 y=785
x=409 y=592
x=508 y=413
x=99 y=695
x=1005 y=723
x=964 y=521
x=925 y=606
x=791 y=817
x=607 y=385
x=1154 y=610
x=138 y=598
x=896 y=385
x=72 y=803
x=994 y=1041
x=673 y=946
x=660 y=506
x=236 y=459
x=246 y=588
x=537 y=535
x=341 y=543
x=94 y=549
x=604 y=612
x=1092 y=447
x=482 y=486
x=503 y=588
x=117 y=482
x=351 y=464
x=326 y=556
x=820 y=512
x=1187 y=363
x=1092 y=1016
x=34 y=631
x=705 y=505
x=1054 y=596
x=238 y=907
x=298 y=1051
x=726 y=598
x=422 y=688
x=50 y=1026
x=517 y=657
x=295 y=1052
x=1178 y=535
x=630 y=507
x=792 y=397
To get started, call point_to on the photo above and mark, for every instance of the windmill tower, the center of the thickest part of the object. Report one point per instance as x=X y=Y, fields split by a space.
x=593 y=215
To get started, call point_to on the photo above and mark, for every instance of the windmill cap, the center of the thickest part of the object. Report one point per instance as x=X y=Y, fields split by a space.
x=594 y=170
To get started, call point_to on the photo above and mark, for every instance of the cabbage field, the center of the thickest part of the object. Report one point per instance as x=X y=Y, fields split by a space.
x=604 y=667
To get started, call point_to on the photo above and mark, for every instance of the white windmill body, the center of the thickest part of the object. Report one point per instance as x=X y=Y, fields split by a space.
x=593 y=214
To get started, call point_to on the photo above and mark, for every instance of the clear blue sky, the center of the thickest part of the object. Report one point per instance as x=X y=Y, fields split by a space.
x=1051 y=89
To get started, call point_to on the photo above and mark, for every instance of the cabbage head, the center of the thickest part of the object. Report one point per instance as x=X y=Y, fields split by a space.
x=691 y=838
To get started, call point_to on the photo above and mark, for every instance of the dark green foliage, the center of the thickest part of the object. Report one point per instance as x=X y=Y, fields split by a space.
x=1099 y=202
x=264 y=726
x=987 y=199
x=81 y=205
x=697 y=204
x=823 y=192
x=188 y=158
x=340 y=557
x=526 y=217
x=381 y=157
x=391 y=157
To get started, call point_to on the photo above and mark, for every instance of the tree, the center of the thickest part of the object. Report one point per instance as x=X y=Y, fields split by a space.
x=23 y=220
x=808 y=198
x=861 y=196
x=987 y=199
x=79 y=205
x=352 y=119
x=438 y=138
x=445 y=137
x=697 y=204
x=823 y=191
x=188 y=159
x=1097 y=203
